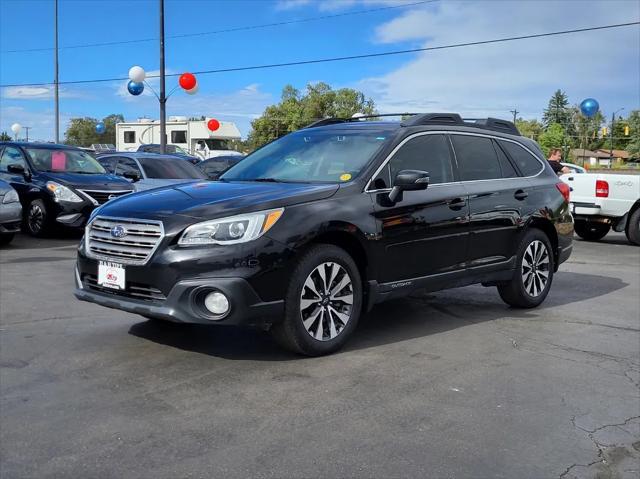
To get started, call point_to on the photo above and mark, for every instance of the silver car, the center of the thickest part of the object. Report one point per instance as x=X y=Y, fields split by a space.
x=10 y=212
x=149 y=170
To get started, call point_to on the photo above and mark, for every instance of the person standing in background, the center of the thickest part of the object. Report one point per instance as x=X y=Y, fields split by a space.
x=555 y=156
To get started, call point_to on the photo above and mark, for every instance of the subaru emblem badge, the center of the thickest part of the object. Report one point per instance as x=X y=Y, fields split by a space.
x=118 y=231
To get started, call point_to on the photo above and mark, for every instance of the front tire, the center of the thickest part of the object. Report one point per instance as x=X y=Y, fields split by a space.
x=591 y=231
x=36 y=219
x=534 y=272
x=322 y=304
x=633 y=228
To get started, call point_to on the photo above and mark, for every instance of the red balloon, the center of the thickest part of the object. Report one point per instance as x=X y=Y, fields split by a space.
x=187 y=81
x=213 y=124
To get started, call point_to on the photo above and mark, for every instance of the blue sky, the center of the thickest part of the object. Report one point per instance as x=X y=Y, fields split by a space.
x=475 y=81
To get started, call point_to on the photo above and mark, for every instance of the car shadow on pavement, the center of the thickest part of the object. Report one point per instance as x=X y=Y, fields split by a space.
x=419 y=315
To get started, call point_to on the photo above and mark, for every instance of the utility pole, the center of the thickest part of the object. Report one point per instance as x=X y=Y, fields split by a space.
x=515 y=115
x=27 y=128
x=163 y=98
x=57 y=99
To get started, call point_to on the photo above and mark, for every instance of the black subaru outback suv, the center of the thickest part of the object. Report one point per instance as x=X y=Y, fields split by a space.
x=313 y=229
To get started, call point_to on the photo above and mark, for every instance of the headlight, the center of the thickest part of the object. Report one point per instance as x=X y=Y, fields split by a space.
x=231 y=230
x=11 y=197
x=62 y=193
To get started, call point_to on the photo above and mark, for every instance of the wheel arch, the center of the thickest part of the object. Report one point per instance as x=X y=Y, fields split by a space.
x=548 y=228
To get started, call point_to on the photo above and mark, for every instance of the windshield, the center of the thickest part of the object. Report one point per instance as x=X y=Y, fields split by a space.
x=64 y=161
x=212 y=144
x=311 y=156
x=170 y=169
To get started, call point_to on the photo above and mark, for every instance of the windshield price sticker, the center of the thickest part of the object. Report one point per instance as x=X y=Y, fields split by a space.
x=111 y=275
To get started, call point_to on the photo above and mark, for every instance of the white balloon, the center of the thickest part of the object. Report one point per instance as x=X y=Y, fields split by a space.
x=137 y=74
x=16 y=127
x=194 y=90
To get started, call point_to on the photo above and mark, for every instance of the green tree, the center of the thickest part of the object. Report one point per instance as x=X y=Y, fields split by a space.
x=633 y=146
x=558 y=111
x=553 y=137
x=4 y=136
x=82 y=131
x=529 y=128
x=296 y=110
x=586 y=129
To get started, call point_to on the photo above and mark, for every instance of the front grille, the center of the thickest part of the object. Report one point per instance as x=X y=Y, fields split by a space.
x=101 y=197
x=135 y=247
x=133 y=290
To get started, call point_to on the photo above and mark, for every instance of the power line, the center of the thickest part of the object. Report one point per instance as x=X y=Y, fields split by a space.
x=227 y=30
x=346 y=58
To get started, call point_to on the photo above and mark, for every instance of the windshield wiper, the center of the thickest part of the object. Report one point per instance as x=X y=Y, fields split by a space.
x=267 y=180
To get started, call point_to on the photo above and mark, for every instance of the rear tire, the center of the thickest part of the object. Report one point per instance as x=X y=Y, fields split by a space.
x=591 y=231
x=36 y=219
x=322 y=304
x=633 y=228
x=533 y=275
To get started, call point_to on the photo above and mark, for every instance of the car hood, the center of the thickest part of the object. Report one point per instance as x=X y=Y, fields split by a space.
x=88 y=182
x=212 y=199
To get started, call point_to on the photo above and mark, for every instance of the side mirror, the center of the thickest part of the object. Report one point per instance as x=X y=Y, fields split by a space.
x=408 y=180
x=132 y=175
x=16 y=168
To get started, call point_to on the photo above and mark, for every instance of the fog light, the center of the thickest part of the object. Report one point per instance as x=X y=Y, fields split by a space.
x=216 y=303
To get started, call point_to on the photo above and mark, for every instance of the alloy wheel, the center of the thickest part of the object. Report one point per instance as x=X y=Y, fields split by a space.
x=326 y=301
x=35 y=218
x=535 y=268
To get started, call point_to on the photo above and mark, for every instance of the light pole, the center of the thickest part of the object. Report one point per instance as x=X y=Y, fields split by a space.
x=55 y=82
x=162 y=98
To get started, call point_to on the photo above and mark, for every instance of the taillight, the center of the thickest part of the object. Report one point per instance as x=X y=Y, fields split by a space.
x=602 y=189
x=564 y=190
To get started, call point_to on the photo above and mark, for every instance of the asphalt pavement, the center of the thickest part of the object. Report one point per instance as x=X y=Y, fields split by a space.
x=446 y=384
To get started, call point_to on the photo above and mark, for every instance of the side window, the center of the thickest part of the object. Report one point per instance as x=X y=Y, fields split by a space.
x=179 y=136
x=528 y=164
x=428 y=153
x=508 y=171
x=126 y=164
x=11 y=156
x=382 y=181
x=477 y=159
x=129 y=136
x=109 y=164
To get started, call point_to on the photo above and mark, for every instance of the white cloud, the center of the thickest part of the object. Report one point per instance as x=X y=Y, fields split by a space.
x=37 y=92
x=492 y=79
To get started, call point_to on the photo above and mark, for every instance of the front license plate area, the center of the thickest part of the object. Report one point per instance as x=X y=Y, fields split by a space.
x=111 y=275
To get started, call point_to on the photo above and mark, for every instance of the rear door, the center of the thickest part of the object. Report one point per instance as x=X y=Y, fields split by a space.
x=426 y=232
x=496 y=195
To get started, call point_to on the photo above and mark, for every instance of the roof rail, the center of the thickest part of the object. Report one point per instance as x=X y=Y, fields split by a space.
x=325 y=121
x=494 y=124
x=434 y=119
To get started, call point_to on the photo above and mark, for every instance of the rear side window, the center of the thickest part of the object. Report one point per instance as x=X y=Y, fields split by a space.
x=126 y=164
x=428 y=153
x=508 y=171
x=528 y=164
x=477 y=159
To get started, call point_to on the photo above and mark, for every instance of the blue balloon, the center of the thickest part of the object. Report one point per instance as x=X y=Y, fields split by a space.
x=589 y=107
x=135 y=88
x=100 y=128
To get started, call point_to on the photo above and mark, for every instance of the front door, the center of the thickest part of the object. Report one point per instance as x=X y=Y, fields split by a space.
x=496 y=197
x=425 y=233
x=12 y=155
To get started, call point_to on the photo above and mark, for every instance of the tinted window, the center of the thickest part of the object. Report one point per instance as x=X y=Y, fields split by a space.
x=11 y=156
x=214 y=168
x=179 y=136
x=477 y=159
x=508 y=171
x=129 y=136
x=527 y=163
x=170 y=169
x=108 y=164
x=126 y=164
x=428 y=153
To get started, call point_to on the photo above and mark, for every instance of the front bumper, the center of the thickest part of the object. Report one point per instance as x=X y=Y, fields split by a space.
x=10 y=217
x=180 y=305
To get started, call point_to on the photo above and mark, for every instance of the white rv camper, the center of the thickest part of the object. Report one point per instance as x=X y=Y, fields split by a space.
x=192 y=136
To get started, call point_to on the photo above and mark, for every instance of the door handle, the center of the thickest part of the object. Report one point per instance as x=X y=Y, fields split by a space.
x=520 y=195
x=457 y=203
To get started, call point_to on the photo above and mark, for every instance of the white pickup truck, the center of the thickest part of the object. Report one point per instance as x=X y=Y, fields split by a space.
x=600 y=202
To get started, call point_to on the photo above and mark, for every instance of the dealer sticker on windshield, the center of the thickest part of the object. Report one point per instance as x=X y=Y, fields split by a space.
x=111 y=275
